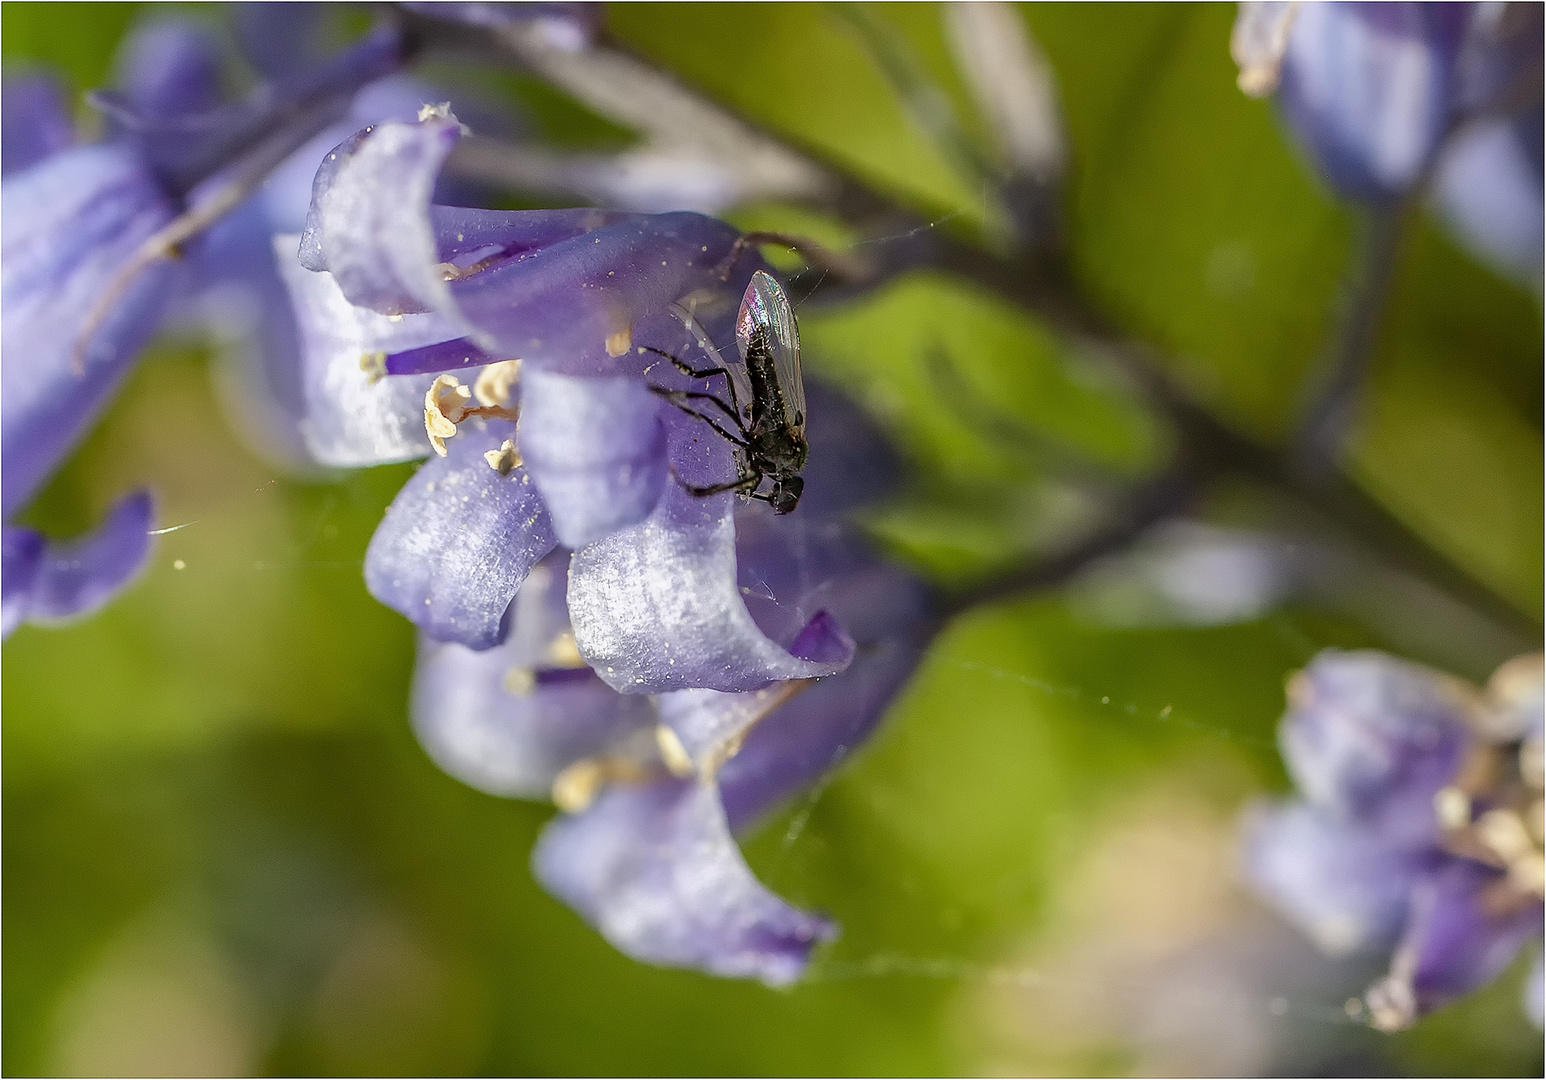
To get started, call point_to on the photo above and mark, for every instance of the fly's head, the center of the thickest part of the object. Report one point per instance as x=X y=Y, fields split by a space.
x=785 y=495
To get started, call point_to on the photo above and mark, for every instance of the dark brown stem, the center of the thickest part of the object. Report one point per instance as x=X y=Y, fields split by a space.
x=1337 y=390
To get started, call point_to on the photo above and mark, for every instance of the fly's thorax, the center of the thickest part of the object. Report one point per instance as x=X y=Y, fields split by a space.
x=777 y=449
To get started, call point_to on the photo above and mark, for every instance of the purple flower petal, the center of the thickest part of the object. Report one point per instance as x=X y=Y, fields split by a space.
x=709 y=725
x=562 y=290
x=1371 y=738
x=596 y=451
x=1371 y=88
x=1340 y=884
x=20 y=558
x=1489 y=186
x=655 y=870
x=34 y=122
x=57 y=582
x=170 y=69
x=71 y=225
x=368 y=225
x=1467 y=925
x=458 y=541
x=889 y=614
x=354 y=416
x=492 y=719
x=656 y=606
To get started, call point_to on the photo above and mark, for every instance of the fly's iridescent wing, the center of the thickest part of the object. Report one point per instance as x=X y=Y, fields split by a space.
x=765 y=307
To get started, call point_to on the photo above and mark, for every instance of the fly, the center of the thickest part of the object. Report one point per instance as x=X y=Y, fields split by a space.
x=766 y=410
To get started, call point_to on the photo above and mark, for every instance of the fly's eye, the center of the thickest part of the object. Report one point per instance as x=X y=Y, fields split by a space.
x=786 y=495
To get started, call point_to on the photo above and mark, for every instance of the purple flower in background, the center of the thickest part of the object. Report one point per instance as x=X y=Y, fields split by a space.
x=86 y=281
x=1380 y=96
x=1419 y=827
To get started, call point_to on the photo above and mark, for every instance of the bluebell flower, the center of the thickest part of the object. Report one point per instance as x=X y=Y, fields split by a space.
x=1384 y=96
x=34 y=122
x=667 y=667
x=654 y=789
x=568 y=299
x=1419 y=828
x=81 y=298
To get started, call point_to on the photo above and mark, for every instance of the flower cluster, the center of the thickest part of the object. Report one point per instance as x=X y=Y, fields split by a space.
x=94 y=260
x=1419 y=827
x=1381 y=96
x=663 y=663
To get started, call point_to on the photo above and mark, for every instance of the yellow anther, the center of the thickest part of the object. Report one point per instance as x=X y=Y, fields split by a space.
x=576 y=787
x=520 y=681
x=673 y=752
x=1258 y=45
x=620 y=342
x=1528 y=873
x=505 y=460
x=373 y=364
x=445 y=405
x=1504 y=832
x=565 y=652
x=1452 y=807
x=495 y=382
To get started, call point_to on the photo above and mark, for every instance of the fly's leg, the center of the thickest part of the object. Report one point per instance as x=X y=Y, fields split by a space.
x=683 y=366
x=746 y=484
x=679 y=398
x=705 y=373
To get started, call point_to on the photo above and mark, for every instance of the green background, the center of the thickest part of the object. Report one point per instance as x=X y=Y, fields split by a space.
x=223 y=850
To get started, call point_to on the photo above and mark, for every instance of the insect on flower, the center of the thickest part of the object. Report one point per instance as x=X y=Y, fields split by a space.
x=766 y=409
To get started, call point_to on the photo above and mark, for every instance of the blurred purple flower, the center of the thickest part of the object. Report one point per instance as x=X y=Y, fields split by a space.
x=1419 y=825
x=81 y=300
x=34 y=122
x=1381 y=95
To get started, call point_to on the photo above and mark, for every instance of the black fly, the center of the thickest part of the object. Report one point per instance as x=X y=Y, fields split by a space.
x=767 y=398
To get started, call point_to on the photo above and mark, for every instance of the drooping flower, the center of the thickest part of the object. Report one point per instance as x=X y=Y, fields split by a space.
x=578 y=298
x=84 y=278
x=1381 y=96
x=1419 y=826
x=654 y=789
x=694 y=662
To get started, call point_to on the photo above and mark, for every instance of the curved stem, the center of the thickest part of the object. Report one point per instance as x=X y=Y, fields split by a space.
x=1333 y=403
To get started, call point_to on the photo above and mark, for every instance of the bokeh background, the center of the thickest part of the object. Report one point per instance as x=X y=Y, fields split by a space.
x=225 y=853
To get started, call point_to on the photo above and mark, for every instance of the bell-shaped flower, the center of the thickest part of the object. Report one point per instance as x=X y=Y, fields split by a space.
x=587 y=301
x=655 y=788
x=1465 y=927
x=50 y=582
x=34 y=122
x=1416 y=825
x=1372 y=739
x=85 y=272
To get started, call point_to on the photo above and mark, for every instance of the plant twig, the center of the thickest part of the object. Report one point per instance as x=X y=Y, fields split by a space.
x=1337 y=389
